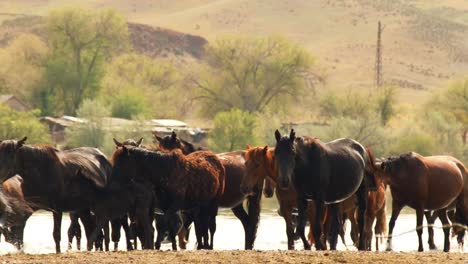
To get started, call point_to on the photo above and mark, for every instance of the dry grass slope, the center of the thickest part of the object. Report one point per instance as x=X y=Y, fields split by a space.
x=424 y=40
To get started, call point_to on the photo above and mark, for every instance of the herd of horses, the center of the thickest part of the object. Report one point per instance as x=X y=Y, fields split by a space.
x=175 y=184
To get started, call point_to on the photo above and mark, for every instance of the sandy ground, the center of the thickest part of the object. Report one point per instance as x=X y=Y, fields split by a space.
x=235 y=256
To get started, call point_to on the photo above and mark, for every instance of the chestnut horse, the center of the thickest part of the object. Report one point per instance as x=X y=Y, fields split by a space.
x=327 y=173
x=181 y=182
x=375 y=211
x=426 y=183
x=234 y=164
x=260 y=166
x=50 y=177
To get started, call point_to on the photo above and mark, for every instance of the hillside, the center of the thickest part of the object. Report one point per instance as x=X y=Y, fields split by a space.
x=148 y=40
x=424 y=41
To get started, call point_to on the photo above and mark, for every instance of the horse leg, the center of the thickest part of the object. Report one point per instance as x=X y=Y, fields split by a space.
x=302 y=219
x=57 y=229
x=396 y=209
x=240 y=213
x=379 y=229
x=198 y=228
x=115 y=235
x=446 y=226
x=253 y=208
x=106 y=236
x=72 y=229
x=419 y=227
x=100 y=222
x=335 y=225
x=317 y=228
x=430 y=218
x=362 y=206
x=287 y=210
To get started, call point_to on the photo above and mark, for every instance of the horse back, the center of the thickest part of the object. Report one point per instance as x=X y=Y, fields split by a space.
x=234 y=166
x=206 y=175
x=89 y=163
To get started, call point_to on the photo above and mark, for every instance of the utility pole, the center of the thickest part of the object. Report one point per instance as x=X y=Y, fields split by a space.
x=378 y=58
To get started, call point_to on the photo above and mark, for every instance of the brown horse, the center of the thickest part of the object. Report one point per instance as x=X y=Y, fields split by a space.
x=52 y=179
x=426 y=183
x=375 y=211
x=14 y=211
x=192 y=182
x=234 y=164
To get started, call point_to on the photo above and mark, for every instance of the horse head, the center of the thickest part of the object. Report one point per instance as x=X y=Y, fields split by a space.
x=392 y=166
x=285 y=157
x=169 y=142
x=256 y=170
x=8 y=149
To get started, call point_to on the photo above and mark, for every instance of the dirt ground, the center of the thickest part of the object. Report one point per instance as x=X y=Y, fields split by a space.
x=237 y=257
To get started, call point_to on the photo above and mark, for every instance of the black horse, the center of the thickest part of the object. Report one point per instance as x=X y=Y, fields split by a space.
x=52 y=178
x=327 y=173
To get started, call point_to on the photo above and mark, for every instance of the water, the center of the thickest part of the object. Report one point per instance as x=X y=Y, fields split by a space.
x=230 y=234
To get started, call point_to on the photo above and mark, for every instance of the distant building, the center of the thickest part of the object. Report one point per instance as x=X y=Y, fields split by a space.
x=14 y=103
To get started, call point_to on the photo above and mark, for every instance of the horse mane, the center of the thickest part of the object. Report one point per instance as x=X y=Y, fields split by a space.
x=40 y=152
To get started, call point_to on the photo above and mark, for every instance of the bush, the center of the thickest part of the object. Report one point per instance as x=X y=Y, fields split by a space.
x=232 y=130
x=128 y=105
x=90 y=133
x=16 y=125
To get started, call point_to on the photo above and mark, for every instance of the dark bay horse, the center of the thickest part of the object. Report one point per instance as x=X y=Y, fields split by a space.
x=14 y=211
x=234 y=164
x=431 y=183
x=52 y=178
x=181 y=182
x=327 y=173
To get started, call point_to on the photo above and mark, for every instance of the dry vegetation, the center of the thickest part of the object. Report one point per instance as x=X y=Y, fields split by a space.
x=239 y=257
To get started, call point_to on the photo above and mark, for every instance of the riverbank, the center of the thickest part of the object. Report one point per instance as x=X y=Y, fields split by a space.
x=237 y=256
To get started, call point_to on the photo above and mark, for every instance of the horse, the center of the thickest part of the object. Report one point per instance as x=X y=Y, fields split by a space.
x=50 y=177
x=260 y=166
x=171 y=142
x=181 y=182
x=14 y=211
x=430 y=183
x=327 y=173
x=234 y=164
x=375 y=211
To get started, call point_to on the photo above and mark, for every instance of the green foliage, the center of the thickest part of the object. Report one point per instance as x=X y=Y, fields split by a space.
x=266 y=122
x=16 y=125
x=251 y=74
x=353 y=105
x=80 y=41
x=91 y=132
x=232 y=130
x=412 y=138
x=22 y=67
x=129 y=104
x=133 y=81
x=386 y=101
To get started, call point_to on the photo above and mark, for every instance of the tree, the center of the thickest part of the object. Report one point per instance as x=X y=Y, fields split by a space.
x=232 y=130
x=251 y=74
x=16 y=125
x=80 y=41
x=138 y=85
x=452 y=102
x=22 y=66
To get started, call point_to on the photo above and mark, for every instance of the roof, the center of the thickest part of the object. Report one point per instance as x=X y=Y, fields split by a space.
x=168 y=123
x=5 y=98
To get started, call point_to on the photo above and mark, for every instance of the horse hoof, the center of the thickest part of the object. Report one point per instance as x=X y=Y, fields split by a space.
x=388 y=249
x=420 y=249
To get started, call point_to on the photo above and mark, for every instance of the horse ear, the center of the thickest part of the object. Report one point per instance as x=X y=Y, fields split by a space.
x=277 y=135
x=21 y=142
x=117 y=143
x=124 y=149
x=292 y=135
x=265 y=150
x=158 y=138
x=383 y=166
x=248 y=147
x=139 y=142
x=173 y=135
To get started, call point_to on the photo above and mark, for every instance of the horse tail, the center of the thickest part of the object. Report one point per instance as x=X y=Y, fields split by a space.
x=325 y=214
x=381 y=222
x=371 y=168
x=253 y=206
